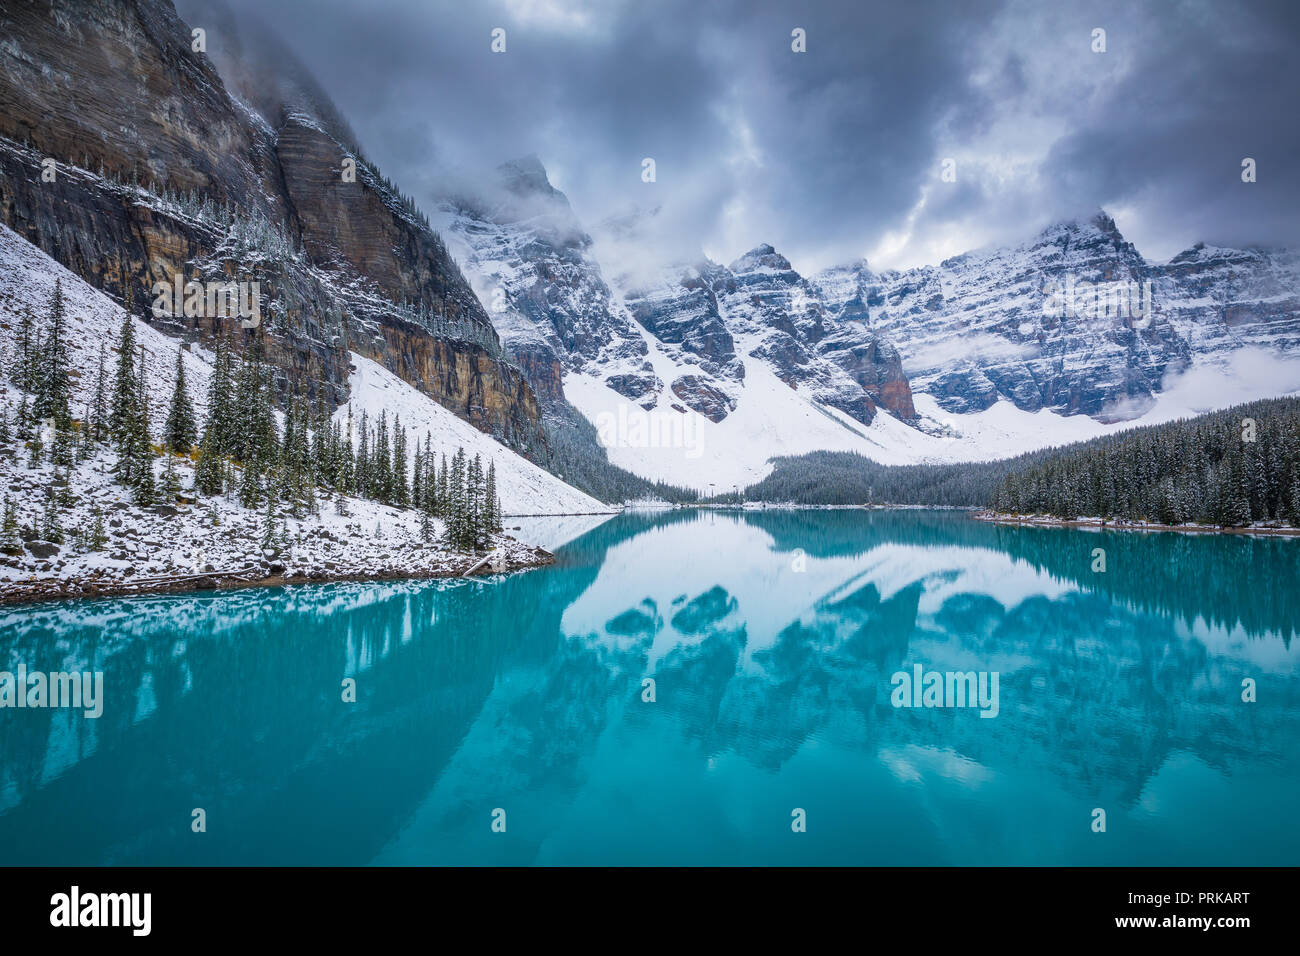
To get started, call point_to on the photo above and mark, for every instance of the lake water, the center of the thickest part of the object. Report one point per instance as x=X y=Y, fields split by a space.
x=772 y=639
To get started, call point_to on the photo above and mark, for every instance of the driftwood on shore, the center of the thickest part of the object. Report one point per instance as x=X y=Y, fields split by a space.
x=478 y=564
x=171 y=578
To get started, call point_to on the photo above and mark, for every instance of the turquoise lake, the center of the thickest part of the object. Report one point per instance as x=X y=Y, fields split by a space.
x=771 y=638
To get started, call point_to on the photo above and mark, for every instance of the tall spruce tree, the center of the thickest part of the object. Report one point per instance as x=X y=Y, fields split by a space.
x=54 y=386
x=97 y=418
x=180 y=433
x=492 y=503
x=122 y=411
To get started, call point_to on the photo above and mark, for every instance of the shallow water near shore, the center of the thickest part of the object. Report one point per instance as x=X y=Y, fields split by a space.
x=772 y=640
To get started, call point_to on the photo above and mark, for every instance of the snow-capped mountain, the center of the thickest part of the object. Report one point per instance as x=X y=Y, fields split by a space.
x=1075 y=320
x=530 y=263
x=555 y=307
x=987 y=354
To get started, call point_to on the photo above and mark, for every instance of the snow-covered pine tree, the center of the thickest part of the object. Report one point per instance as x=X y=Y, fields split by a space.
x=382 y=463
x=248 y=393
x=296 y=466
x=442 y=487
x=401 y=492
x=219 y=429
x=417 y=477
x=492 y=503
x=54 y=387
x=97 y=417
x=345 y=466
x=428 y=501
x=361 y=480
x=474 y=498
x=180 y=433
x=269 y=544
x=122 y=411
x=321 y=461
x=171 y=482
x=250 y=484
x=10 y=541
x=209 y=474
x=51 y=525
x=97 y=538
x=140 y=447
x=457 y=509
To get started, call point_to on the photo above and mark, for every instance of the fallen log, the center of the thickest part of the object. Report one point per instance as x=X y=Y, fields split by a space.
x=167 y=579
x=486 y=558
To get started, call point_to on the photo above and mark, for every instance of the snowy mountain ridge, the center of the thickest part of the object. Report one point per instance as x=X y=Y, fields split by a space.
x=985 y=355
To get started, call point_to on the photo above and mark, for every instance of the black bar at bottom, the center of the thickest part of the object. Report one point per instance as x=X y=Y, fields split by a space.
x=335 y=905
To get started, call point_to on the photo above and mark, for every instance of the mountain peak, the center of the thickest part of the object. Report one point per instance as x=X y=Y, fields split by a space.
x=761 y=257
x=526 y=176
x=1105 y=223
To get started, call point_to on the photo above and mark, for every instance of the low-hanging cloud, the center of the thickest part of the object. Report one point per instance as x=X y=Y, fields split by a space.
x=836 y=152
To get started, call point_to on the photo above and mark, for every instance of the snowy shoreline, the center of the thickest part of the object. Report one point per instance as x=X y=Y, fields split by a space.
x=1043 y=521
x=517 y=556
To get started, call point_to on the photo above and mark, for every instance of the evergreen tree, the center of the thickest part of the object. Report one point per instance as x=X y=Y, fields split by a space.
x=123 y=410
x=124 y=415
x=23 y=419
x=219 y=430
x=10 y=541
x=97 y=539
x=270 y=535
x=492 y=504
x=180 y=432
x=361 y=482
x=344 y=464
x=209 y=474
x=457 y=510
x=400 y=493
x=51 y=526
x=381 y=463
x=97 y=418
x=54 y=385
x=442 y=484
x=474 y=501
x=417 y=478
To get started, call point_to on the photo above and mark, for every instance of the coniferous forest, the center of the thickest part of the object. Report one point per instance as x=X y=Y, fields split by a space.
x=847 y=478
x=1229 y=468
x=240 y=449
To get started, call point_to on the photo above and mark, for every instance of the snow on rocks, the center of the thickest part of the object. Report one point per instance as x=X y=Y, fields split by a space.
x=216 y=542
x=185 y=544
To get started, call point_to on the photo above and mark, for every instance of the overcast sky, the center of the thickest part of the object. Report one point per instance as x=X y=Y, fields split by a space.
x=837 y=152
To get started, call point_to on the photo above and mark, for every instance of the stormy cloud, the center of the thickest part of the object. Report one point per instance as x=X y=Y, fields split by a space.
x=836 y=152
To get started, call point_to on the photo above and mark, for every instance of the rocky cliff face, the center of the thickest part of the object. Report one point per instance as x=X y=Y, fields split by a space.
x=162 y=169
x=1223 y=299
x=531 y=263
x=1075 y=321
x=681 y=336
x=782 y=318
x=982 y=326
